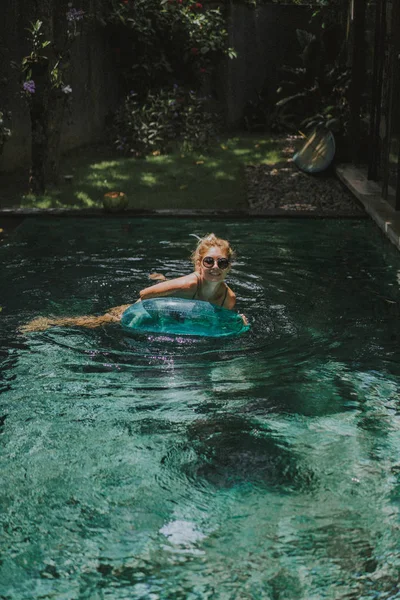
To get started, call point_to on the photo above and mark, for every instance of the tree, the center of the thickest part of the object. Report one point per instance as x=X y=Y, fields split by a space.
x=45 y=68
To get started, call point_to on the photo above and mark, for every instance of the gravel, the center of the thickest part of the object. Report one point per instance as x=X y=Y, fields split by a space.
x=282 y=188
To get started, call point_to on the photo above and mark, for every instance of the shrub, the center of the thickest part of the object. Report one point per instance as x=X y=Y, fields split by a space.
x=199 y=126
x=163 y=41
x=315 y=94
x=161 y=118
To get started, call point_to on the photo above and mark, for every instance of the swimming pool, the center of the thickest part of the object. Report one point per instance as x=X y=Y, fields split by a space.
x=265 y=466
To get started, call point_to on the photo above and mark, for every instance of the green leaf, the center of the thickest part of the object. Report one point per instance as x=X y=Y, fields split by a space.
x=290 y=98
x=333 y=124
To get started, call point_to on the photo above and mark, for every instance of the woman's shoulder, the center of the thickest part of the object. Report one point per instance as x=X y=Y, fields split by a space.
x=186 y=285
x=180 y=285
x=188 y=282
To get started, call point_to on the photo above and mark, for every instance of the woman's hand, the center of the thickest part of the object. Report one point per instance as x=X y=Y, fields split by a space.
x=244 y=319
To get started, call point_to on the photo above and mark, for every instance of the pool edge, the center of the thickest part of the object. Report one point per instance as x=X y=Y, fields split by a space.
x=369 y=194
x=179 y=213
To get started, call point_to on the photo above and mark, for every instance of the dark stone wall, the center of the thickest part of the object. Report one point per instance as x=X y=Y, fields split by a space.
x=12 y=25
x=95 y=89
x=92 y=79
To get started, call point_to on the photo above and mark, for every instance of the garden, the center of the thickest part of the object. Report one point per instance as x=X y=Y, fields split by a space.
x=167 y=142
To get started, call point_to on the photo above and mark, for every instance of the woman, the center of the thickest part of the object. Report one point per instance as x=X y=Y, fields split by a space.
x=212 y=261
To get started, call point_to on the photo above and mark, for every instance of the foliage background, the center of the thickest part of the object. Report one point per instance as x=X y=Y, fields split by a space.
x=98 y=77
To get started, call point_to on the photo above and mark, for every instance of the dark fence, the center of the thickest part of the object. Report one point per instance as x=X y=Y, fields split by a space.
x=378 y=27
x=93 y=83
x=265 y=39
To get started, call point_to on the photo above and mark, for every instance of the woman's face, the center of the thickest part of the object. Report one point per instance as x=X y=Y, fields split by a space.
x=211 y=271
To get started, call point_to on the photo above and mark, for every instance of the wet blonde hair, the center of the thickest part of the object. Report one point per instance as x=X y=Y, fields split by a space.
x=210 y=241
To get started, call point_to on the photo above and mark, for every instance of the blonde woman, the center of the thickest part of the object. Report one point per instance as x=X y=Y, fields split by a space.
x=212 y=260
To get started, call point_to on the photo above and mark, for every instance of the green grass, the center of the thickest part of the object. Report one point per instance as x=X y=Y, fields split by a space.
x=173 y=181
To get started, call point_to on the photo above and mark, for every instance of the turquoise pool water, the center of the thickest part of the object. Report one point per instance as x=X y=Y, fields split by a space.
x=261 y=467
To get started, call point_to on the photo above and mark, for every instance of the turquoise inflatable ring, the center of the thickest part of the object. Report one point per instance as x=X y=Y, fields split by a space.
x=177 y=316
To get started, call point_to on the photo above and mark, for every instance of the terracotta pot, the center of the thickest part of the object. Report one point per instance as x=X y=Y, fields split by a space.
x=115 y=201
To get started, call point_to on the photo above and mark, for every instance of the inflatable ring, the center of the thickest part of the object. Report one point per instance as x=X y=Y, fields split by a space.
x=317 y=153
x=181 y=317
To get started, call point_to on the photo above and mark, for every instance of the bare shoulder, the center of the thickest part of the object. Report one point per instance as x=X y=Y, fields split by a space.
x=180 y=286
x=230 y=299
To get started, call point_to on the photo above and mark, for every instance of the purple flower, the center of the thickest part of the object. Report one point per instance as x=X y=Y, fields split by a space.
x=74 y=15
x=29 y=86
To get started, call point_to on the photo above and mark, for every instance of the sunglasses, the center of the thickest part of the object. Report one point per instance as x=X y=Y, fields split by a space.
x=209 y=261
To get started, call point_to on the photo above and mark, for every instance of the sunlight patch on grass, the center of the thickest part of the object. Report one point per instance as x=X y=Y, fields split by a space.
x=101 y=184
x=106 y=164
x=45 y=202
x=163 y=159
x=107 y=184
x=30 y=201
x=115 y=177
x=112 y=175
x=29 y=198
x=85 y=199
x=149 y=179
x=241 y=151
x=272 y=157
x=223 y=175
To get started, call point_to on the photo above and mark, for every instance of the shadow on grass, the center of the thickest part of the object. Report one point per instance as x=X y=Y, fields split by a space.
x=173 y=181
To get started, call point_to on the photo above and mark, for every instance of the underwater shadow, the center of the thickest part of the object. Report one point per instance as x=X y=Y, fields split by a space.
x=229 y=451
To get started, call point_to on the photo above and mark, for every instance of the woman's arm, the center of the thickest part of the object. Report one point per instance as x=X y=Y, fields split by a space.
x=230 y=303
x=230 y=300
x=181 y=287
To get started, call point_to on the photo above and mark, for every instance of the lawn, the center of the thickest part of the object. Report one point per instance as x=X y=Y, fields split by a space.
x=173 y=181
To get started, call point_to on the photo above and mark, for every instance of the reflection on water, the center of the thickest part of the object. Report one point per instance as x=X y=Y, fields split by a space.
x=148 y=467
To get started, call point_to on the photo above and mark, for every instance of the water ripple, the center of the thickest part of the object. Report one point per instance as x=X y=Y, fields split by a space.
x=263 y=466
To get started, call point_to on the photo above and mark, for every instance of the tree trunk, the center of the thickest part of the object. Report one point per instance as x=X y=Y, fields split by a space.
x=55 y=120
x=39 y=126
x=57 y=100
x=47 y=105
